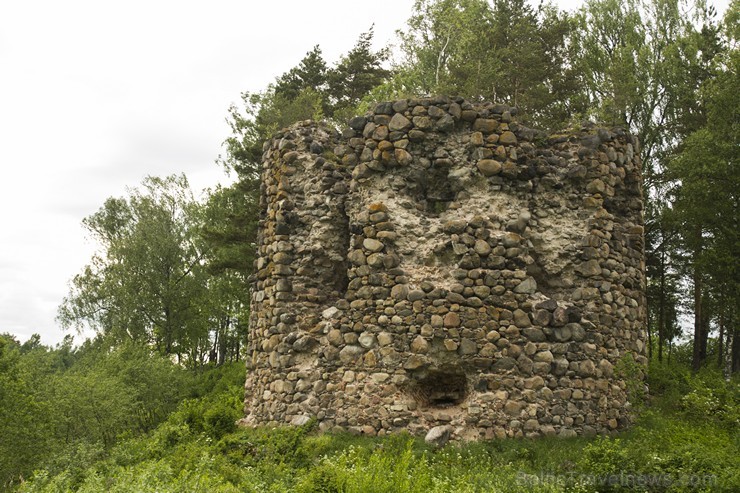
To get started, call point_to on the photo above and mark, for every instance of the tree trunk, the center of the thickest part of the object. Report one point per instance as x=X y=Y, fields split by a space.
x=661 y=308
x=649 y=334
x=727 y=363
x=735 y=366
x=720 y=340
x=223 y=340
x=697 y=358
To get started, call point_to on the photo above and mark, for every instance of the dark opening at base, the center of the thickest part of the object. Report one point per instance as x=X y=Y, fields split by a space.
x=440 y=388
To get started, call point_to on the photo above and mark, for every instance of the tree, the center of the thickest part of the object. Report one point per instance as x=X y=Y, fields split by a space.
x=229 y=229
x=663 y=281
x=311 y=90
x=505 y=52
x=24 y=426
x=641 y=64
x=147 y=282
x=705 y=181
x=644 y=64
x=310 y=73
x=355 y=75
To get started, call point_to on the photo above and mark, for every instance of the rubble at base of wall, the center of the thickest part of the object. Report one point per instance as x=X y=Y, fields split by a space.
x=439 y=266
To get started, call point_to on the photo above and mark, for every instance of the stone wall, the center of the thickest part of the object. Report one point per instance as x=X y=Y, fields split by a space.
x=438 y=264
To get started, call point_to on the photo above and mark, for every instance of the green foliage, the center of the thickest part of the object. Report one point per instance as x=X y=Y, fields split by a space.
x=633 y=375
x=163 y=276
x=502 y=51
x=64 y=409
x=670 y=380
x=311 y=90
x=143 y=284
x=713 y=398
x=682 y=442
x=704 y=180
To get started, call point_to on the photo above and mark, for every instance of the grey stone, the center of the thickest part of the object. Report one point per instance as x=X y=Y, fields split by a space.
x=485 y=125
x=567 y=433
x=590 y=268
x=482 y=248
x=357 y=257
x=549 y=305
x=527 y=286
x=300 y=420
x=367 y=340
x=521 y=319
x=508 y=138
x=416 y=295
x=330 y=312
x=543 y=357
x=305 y=343
x=358 y=123
x=504 y=364
x=399 y=123
x=467 y=347
x=541 y=317
x=419 y=345
x=349 y=354
x=372 y=245
x=415 y=361
x=439 y=435
x=562 y=334
x=534 y=334
x=489 y=167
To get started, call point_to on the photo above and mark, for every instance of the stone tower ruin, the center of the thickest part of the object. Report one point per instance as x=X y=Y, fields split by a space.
x=438 y=264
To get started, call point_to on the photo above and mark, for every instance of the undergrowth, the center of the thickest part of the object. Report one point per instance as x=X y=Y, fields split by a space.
x=686 y=439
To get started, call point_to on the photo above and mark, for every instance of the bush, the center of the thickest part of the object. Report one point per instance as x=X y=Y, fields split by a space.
x=220 y=420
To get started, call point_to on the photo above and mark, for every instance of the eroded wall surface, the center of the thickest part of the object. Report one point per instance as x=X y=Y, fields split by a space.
x=438 y=264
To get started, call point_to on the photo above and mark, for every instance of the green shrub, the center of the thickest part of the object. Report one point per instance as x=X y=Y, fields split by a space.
x=633 y=375
x=282 y=445
x=668 y=380
x=219 y=420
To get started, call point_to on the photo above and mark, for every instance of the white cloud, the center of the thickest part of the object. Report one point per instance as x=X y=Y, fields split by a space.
x=96 y=95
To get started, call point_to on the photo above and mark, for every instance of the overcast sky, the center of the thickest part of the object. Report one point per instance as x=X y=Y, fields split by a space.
x=95 y=95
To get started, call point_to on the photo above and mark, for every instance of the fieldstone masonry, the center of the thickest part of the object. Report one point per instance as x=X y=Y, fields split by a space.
x=439 y=266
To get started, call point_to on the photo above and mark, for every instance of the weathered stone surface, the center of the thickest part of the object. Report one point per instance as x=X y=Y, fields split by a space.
x=452 y=319
x=440 y=265
x=419 y=345
x=596 y=186
x=527 y=286
x=534 y=334
x=504 y=364
x=544 y=357
x=400 y=292
x=349 y=354
x=300 y=420
x=508 y=138
x=439 y=435
x=415 y=362
x=467 y=346
x=403 y=157
x=521 y=319
x=590 y=268
x=485 y=125
x=489 y=167
x=416 y=295
x=367 y=340
x=372 y=245
x=330 y=312
x=399 y=123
